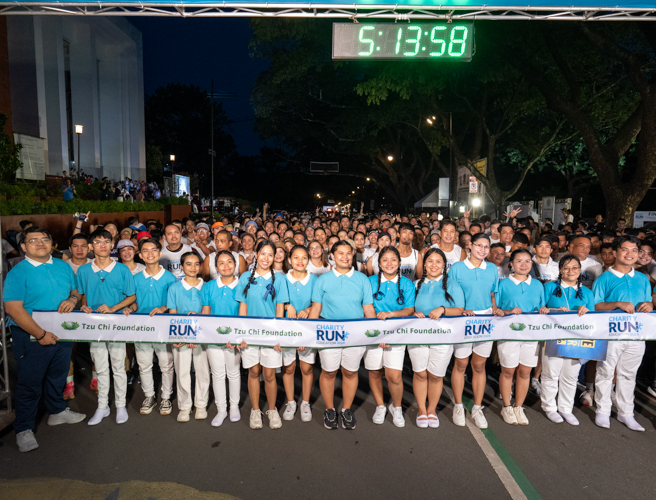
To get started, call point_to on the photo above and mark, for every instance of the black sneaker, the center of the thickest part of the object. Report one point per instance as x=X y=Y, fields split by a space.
x=348 y=420
x=148 y=405
x=330 y=419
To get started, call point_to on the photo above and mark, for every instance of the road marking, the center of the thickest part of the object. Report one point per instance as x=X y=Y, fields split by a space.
x=510 y=474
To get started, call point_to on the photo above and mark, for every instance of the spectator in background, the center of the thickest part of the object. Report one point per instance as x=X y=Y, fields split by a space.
x=139 y=198
x=106 y=188
x=68 y=190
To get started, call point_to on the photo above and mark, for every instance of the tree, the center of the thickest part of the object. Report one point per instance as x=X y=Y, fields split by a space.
x=601 y=79
x=178 y=122
x=154 y=164
x=9 y=161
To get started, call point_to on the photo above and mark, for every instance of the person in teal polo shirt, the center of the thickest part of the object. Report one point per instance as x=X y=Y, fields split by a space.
x=107 y=287
x=394 y=296
x=152 y=286
x=39 y=283
x=628 y=292
x=342 y=293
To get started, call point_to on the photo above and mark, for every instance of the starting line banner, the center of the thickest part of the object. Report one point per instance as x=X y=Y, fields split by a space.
x=322 y=333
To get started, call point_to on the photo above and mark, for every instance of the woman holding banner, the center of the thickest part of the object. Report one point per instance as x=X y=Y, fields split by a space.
x=559 y=374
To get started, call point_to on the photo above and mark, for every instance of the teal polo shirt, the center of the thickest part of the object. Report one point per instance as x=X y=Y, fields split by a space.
x=221 y=298
x=568 y=297
x=40 y=286
x=107 y=286
x=185 y=298
x=152 y=291
x=342 y=295
x=300 y=292
x=390 y=293
x=527 y=295
x=613 y=286
x=255 y=300
x=431 y=295
x=477 y=283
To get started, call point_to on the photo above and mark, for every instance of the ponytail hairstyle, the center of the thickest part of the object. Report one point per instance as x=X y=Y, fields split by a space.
x=445 y=276
x=579 y=281
x=186 y=255
x=251 y=279
x=379 y=295
x=516 y=253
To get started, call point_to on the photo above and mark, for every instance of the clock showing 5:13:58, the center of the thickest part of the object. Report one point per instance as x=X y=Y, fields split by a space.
x=438 y=41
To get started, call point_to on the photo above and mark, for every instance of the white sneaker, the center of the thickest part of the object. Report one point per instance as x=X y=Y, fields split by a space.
x=220 y=417
x=397 y=415
x=256 y=419
x=183 y=415
x=121 y=415
x=290 y=410
x=554 y=417
x=201 y=414
x=602 y=420
x=306 y=412
x=26 y=441
x=631 y=423
x=569 y=418
x=587 y=398
x=459 y=416
x=479 y=418
x=508 y=415
x=379 y=415
x=235 y=415
x=274 y=419
x=520 y=415
x=99 y=415
x=536 y=386
x=67 y=416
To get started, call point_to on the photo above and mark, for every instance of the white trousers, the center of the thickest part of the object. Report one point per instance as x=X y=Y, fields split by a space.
x=224 y=362
x=182 y=360
x=625 y=356
x=144 y=354
x=102 y=353
x=559 y=377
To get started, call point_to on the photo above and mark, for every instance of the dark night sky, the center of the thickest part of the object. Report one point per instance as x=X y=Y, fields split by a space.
x=192 y=51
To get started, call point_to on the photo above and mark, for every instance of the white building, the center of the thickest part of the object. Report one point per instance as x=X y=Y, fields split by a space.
x=75 y=70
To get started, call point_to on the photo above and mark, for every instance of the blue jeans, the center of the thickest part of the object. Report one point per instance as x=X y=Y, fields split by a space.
x=41 y=370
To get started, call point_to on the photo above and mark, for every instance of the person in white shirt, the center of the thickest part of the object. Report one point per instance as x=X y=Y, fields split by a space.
x=579 y=246
x=173 y=250
x=546 y=268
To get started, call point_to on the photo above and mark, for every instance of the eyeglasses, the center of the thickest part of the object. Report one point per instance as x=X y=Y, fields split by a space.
x=34 y=241
x=102 y=243
x=482 y=247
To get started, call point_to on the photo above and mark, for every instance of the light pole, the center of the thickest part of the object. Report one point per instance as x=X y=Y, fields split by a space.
x=175 y=190
x=78 y=131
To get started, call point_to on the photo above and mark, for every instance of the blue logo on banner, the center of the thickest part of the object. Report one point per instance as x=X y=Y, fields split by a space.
x=478 y=328
x=334 y=334
x=184 y=329
x=624 y=325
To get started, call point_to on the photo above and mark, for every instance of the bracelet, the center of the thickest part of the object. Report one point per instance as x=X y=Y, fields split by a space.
x=41 y=338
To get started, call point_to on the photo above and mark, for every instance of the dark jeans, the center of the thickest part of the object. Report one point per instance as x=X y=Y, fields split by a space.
x=41 y=370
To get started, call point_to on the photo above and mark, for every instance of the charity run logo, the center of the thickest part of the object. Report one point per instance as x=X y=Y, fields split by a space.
x=184 y=329
x=624 y=326
x=335 y=334
x=481 y=328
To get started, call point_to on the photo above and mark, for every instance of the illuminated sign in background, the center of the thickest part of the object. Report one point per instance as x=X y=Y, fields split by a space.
x=438 y=41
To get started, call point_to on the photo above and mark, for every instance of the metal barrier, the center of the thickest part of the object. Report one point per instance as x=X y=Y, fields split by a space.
x=6 y=411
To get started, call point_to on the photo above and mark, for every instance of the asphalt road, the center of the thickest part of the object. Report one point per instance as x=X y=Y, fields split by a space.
x=304 y=460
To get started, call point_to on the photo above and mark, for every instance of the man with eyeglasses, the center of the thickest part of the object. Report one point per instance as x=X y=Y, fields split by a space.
x=46 y=284
x=626 y=291
x=107 y=286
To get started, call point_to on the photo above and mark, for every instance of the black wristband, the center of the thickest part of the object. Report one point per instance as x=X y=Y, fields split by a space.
x=42 y=336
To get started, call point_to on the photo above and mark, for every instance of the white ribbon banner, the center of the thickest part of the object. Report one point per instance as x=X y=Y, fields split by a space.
x=322 y=333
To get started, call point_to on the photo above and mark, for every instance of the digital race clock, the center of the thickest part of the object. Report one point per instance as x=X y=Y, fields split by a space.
x=441 y=41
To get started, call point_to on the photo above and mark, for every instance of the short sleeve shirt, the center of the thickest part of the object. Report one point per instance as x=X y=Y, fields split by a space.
x=259 y=299
x=342 y=295
x=107 y=286
x=477 y=283
x=431 y=295
x=387 y=299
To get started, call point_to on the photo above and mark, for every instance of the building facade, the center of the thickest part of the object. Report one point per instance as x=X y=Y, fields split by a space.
x=74 y=70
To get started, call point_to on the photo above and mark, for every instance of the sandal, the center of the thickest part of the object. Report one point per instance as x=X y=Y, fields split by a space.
x=422 y=421
x=433 y=421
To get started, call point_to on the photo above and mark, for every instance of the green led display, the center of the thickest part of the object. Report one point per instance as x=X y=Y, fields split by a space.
x=437 y=41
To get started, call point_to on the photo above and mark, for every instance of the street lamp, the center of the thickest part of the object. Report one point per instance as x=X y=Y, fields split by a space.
x=368 y=179
x=318 y=195
x=390 y=158
x=477 y=202
x=78 y=131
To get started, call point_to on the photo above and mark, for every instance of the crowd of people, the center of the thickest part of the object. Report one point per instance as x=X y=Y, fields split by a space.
x=122 y=190
x=334 y=267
